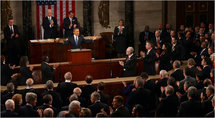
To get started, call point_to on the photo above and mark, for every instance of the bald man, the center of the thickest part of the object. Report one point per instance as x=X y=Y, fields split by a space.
x=49 y=25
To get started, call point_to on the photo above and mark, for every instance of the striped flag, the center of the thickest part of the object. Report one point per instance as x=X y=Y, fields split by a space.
x=60 y=9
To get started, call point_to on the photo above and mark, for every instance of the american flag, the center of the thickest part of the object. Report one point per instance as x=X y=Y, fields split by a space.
x=60 y=9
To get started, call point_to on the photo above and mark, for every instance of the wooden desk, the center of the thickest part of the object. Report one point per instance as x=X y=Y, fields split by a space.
x=57 y=52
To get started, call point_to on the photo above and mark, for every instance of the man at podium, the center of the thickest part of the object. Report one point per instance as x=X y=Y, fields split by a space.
x=76 y=41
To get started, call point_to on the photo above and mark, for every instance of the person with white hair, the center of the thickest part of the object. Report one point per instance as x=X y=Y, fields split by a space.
x=66 y=88
x=48 y=112
x=168 y=106
x=9 y=112
x=74 y=109
x=29 y=83
x=28 y=109
x=130 y=63
x=162 y=82
x=97 y=105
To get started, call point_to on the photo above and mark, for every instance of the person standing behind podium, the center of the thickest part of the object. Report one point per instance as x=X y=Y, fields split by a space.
x=76 y=40
x=47 y=70
x=129 y=65
x=120 y=40
x=149 y=59
x=49 y=25
x=69 y=23
x=11 y=34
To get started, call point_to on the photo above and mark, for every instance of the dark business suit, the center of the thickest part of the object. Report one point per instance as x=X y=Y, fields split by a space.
x=143 y=40
x=44 y=106
x=193 y=71
x=12 y=44
x=168 y=107
x=28 y=111
x=25 y=91
x=206 y=72
x=178 y=75
x=6 y=74
x=149 y=62
x=104 y=97
x=47 y=72
x=72 y=41
x=66 y=24
x=122 y=111
x=66 y=89
x=176 y=52
x=49 y=32
x=25 y=74
x=8 y=113
x=191 y=108
x=97 y=106
x=143 y=97
x=188 y=43
x=87 y=91
x=130 y=66
x=57 y=102
x=207 y=105
x=189 y=79
x=165 y=58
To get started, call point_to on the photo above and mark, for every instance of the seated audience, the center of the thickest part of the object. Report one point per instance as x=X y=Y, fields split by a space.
x=17 y=98
x=48 y=112
x=97 y=105
x=28 y=109
x=178 y=73
x=104 y=97
x=192 y=107
x=88 y=89
x=66 y=88
x=57 y=101
x=207 y=103
x=74 y=109
x=85 y=112
x=120 y=109
x=211 y=114
x=168 y=106
x=9 y=112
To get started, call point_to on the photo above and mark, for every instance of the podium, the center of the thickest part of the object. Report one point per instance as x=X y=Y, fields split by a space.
x=79 y=56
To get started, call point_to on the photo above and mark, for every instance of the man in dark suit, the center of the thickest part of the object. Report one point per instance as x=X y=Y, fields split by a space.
x=120 y=109
x=208 y=102
x=9 y=112
x=176 y=52
x=145 y=36
x=211 y=113
x=47 y=70
x=76 y=40
x=193 y=107
x=47 y=103
x=6 y=71
x=97 y=105
x=188 y=44
x=191 y=64
x=49 y=25
x=188 y=78
x=57 y=102
x=178 y=73
x=66 y=88
x=141 y=96
x=149 y=59
x=130 y=64
x=88 y=89
x=28 y=109
x=104 y=97
x=29 y=88
x=157 y=40
x=69 y=23
x=11 y=34
x=168 y=105
x=206 y=68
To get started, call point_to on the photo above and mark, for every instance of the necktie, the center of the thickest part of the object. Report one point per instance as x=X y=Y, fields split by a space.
x=11 y=29
x=127 y=59
x=76 y=40
x=70 y=20
x=49 y=19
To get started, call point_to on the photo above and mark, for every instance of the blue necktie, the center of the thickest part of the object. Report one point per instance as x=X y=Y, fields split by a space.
x=76 y=40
